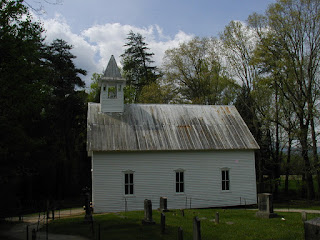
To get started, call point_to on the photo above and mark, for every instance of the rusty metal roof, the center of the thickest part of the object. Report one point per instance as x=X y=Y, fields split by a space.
x=143 y=127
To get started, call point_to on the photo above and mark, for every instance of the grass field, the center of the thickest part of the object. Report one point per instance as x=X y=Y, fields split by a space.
x=234 y=224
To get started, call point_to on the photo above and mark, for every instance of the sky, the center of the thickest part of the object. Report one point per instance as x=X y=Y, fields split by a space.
x=98 y=29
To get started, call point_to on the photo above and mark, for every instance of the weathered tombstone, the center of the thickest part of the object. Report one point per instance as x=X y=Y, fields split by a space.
x=87 y=207
x=148 y=213
x=34 y=234
x=180 y=233
x=196 y=229
x=163 y=223
x=312 y=229
x=182 y=212
x=265 y=205
x=47 y=208
x=217 y=219
x=163 y=204
x=304 y=216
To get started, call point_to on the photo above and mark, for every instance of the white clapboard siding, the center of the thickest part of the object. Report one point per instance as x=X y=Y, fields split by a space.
x=154 y=176
x=111 y=105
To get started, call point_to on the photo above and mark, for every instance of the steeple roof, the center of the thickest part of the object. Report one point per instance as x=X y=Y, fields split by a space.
x=112 y=70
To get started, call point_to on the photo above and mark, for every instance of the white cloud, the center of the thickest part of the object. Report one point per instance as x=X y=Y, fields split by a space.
x=94 y=46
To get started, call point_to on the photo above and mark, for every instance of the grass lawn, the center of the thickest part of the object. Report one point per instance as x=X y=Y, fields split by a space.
x=234 y=224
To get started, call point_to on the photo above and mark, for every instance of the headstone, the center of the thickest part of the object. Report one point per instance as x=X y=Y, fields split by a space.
x=34 y=234
x=180 y=233
x=196 y=229
x=163 y=204
x=87 y=207
x=304 y=216
x=312 y=229
x=265 y=205
x=217 y=219
x=182 y=212
x=148 y=213
x=163 y=223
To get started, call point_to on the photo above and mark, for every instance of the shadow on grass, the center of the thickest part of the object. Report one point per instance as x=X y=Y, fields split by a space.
x=112 y=226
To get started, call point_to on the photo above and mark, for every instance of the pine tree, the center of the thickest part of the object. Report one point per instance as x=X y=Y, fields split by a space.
x=137 y=62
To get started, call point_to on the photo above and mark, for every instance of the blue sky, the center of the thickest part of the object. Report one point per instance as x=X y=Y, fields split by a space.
x=98 y=28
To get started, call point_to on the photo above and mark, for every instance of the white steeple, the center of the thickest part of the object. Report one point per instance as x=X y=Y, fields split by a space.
x=112 y=83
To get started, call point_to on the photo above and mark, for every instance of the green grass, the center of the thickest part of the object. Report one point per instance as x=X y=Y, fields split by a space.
x=234 y=224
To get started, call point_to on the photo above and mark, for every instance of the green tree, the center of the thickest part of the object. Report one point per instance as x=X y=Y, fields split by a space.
x=20 y=76
x=253 y=102
x=136 y=61
x=22 y=97
x=65 y=114
x=291 y=45
x=95 y=90
x=195 y=68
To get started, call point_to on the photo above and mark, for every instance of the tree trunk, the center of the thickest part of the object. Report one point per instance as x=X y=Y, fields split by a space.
x=305 y=156
x=276 y=169
x=315 y=152
x=286 y=186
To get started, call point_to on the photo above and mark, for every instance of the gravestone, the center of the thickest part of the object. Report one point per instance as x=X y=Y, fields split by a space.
x=304 y=216
x=163 y=204
x=180 y=233
x=182 y=212
x=312 y=229
x=87 y=207
x=163 y=223
x=148 y=213
x=196 y=229
x=265 y=205
x=217 y=218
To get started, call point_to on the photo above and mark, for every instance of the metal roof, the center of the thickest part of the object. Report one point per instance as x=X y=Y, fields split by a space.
x=112 y=70
x=143 y=127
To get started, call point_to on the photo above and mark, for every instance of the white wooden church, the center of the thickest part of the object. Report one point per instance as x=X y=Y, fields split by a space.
x=195 y=155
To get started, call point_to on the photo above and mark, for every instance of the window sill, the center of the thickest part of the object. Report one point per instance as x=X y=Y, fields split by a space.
x=129 y=196
x=225 y=191
x=180 y=193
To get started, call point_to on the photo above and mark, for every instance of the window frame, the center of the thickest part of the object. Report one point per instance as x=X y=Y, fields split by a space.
x=179 y=182
x=129 y=194
x=224 y=187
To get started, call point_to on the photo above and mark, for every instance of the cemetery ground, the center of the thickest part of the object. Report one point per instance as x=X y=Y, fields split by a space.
x=234 y=224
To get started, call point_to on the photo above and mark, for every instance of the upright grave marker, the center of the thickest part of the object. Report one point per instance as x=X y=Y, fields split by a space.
x=217 y=218
x=163 y=204
x=265 y=204
x=196 y=229
x=87 y=196
x=312 y=229
x=148 y=213
x=163 y=223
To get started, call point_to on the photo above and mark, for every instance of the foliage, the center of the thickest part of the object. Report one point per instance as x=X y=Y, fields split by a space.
x=20 y=98
x=289 y=51
x=94 y=93
x=234 y=224
x=195 y=69
x=158 y=93
x=136 y=61
x=42 y=113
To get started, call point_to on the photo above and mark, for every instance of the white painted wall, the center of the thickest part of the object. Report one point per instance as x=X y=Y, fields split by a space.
x=112 y=105
x=154 y=174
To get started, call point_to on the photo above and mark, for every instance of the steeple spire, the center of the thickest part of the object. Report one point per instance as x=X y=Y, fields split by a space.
x=112 y=70
x=112 y=83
